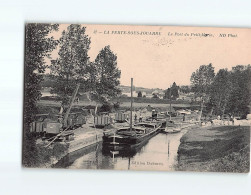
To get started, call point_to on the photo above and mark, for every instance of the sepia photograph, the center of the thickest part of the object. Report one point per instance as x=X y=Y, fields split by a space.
x=136 y=97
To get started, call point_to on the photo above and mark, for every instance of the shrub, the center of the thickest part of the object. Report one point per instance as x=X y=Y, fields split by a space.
x=116 y=105
x=106 y=107
x=37 y=155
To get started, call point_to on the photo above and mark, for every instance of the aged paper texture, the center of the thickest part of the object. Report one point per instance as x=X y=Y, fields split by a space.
x=123 y=97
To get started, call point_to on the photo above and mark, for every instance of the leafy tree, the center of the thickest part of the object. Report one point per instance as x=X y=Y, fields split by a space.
x=185 y=89
x=70 y=68
x=106 y=107
x=38 y=45
x=139 y=94
x=201 y=81
x=239 y=103
x=221 y=91
x=105 y=76
x=172 y=93
x=167 y=94
x=92 y=71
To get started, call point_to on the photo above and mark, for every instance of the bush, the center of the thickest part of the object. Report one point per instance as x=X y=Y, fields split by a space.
x=36 y=155
x=116 y=105
x=30 y=155
x=105 y=108
x=234 y=162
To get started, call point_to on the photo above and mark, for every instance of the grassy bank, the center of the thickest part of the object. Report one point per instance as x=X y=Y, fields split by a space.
x=215 y=149
x=41 y=156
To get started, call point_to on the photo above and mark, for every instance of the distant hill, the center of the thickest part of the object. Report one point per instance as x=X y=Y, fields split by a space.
x=127 y=89
x=48 y=82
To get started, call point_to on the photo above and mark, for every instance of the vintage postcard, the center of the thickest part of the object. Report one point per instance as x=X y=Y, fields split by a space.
x=127 y=97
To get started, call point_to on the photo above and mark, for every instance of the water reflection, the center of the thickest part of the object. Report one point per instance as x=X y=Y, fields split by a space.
x=158 y=153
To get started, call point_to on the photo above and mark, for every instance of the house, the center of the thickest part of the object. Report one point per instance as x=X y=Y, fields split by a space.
x=134 y=94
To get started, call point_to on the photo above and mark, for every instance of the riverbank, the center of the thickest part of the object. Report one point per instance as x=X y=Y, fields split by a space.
x=46 y=156
x=215 y=149
x=84 y=137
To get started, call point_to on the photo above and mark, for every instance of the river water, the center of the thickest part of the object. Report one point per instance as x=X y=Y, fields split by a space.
x=158 y=153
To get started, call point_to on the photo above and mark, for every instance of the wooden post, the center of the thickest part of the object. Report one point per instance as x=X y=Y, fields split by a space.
x=170 y=93
x=131 y=104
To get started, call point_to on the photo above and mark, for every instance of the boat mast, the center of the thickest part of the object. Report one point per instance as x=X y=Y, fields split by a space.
x=131 y=105
x=170 y=94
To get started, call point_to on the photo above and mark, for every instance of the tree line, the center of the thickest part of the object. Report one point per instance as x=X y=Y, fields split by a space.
x=171 y=92
x=225 y=92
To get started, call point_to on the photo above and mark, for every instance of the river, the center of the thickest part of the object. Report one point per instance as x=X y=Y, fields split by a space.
x=158 y=153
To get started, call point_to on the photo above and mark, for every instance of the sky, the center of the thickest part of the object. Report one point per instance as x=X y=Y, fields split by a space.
x=157 y=56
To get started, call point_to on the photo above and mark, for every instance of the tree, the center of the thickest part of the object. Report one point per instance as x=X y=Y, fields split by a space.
x=139 y=94
x=172 y=93
x=167 y=94
x=70 y=68
x=220 y=91
x=201 y=81
x=185 y=89
x=106 y=76
x=38 y=45
x=239 y=102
